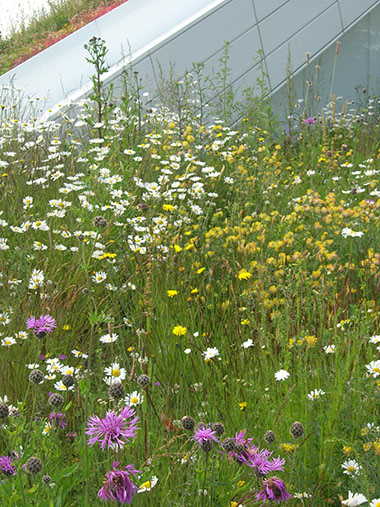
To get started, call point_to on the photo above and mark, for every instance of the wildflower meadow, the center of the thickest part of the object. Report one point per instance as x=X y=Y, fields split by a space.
x=189 y=311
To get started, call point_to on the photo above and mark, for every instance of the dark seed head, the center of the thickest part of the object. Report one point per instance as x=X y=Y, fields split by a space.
x=33 y=465
x=143 y=380
x=46 y=479
x=218 y=427
x=207 y=445
x=188 y=423
x=100 y=221
x=36 y=376
x=4 y=411
x=15 y=454
x=229 y=444
x=56 y=400
x=239 y=448
x=297 y=429
x=269 y=437
x=68 y=380
x=116 y=391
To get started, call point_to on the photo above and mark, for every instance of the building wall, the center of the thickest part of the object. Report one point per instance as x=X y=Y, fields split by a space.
x=154 y=35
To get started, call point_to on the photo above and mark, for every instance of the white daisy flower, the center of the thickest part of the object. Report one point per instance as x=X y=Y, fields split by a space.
x=115 y=371
x=99 y=277
x=60 y=386
x=281 y=375
x=134 y=399
x=373 y=368
x=375 y=339
x=8 y=341
x=109 y=338
x=316 y=394
x=211 y=353
x=148 y=485
x=351 y=467
x=354 y=499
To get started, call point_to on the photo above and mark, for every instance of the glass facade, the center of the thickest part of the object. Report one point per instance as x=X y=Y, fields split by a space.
x=348 y=70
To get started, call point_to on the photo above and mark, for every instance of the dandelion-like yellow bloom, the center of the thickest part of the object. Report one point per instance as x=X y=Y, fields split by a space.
x=244 y=274
x=172 y=292
x=286 y=447
x=179 y=330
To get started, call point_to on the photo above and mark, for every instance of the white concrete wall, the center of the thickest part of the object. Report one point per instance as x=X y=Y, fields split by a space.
x=153 y=33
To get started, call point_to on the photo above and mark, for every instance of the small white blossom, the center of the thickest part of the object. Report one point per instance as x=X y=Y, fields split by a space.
x=354 y=499
x=316 y=394
x=351 y=467
x=281 y=375
x=211 y=353
x=109 y=338
x=134 y=399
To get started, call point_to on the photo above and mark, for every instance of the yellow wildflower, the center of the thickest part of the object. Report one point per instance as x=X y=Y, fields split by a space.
x=179 y=330
x=244 y=274
x=286 y=447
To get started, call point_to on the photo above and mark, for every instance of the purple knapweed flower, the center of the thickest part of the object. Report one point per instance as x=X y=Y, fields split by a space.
x=274 y=490
x=58 y=418
x=42 y=325
x=113 y=431
x=203 y=435
x=240 y=439
x=6 y=466
x=260 y=460
x=310 y=121
x=118 y=485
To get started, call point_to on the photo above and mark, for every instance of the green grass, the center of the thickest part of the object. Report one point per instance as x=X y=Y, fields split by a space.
x=254 y=251
x=60 y=18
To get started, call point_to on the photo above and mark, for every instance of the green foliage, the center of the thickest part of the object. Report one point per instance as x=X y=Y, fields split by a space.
x=217 y=257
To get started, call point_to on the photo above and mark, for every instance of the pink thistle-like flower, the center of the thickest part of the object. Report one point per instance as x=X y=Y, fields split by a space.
x=274 y=490
x=113 y=431
x=42 y=325
x=260 y=460
x=310 y=120
x=58 y=418
x=118 y=485
x=203 y=435
x=6 y=466
x=240 y=439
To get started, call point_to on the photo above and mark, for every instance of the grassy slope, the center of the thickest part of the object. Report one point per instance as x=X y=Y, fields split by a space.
x=45 y=29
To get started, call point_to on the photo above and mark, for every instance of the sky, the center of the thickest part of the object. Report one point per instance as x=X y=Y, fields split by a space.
x=11 y=11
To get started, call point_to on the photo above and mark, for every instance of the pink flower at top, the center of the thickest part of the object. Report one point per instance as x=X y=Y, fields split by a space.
x=310 y=121
x=258 y=459
x=203 y=435
x=6 y=465
x=118 y=485
x=41 y=325
x=114 y=430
